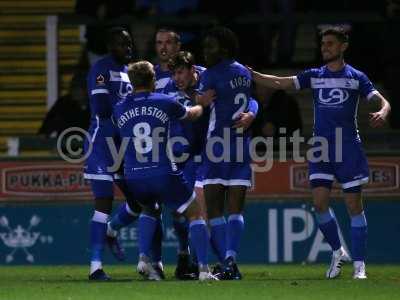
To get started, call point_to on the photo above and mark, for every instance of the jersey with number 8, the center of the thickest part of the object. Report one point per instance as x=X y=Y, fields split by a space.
x=141 y=137
x=143 y=119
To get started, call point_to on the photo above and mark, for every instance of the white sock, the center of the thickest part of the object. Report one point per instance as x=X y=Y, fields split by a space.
x=95 y=265
x=358 y=263
x=100 y=217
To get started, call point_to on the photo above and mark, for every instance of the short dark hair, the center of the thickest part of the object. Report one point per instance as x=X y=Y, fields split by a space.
x=338 y=31
x=181 y=59
x=141 y=74
x=114 y=32
x=227 y=40
x=176 y=36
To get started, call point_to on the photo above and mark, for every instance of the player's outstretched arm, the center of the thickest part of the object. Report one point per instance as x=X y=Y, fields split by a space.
x=378 y=119
x=194 y=112
x=274 y=82
x=206 y=98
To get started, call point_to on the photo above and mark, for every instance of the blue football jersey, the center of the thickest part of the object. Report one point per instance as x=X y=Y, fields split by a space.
x=162 y=78
x=145 y=119
x=194 y=132
x=232 y=84
x=108 y=83
x=336 y=97
x=108 y=78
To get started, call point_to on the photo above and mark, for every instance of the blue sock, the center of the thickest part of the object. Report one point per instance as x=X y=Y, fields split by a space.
x=234 y=233
x=181 y=227
x=200 y=239
x=328 y=226
x=124 y=217
x=358 y=237
x=156 y=246
x=218 y=237
x=147 y=226
x=98 y=229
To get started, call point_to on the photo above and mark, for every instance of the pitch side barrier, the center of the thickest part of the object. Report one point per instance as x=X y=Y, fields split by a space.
x=280 y=231
x=45 y=205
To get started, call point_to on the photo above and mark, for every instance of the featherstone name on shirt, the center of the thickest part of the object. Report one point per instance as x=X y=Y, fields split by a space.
x=142 y=111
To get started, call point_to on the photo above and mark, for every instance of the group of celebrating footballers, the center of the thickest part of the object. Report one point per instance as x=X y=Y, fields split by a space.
x=141 y=108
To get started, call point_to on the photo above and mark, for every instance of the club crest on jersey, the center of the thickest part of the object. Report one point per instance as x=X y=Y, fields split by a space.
x=100 y=79
x=333 y=97
x=124 y=89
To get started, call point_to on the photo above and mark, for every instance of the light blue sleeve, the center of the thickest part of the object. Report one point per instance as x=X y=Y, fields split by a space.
x=252 y=106
x=366 y=87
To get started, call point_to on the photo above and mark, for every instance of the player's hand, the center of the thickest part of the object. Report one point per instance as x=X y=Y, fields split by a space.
x=244 y=120
x=206 y=98
x=377 y=119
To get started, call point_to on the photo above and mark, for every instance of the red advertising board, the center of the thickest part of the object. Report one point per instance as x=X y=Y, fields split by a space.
x=42 y=181
x=290 y=179
x=62 y=181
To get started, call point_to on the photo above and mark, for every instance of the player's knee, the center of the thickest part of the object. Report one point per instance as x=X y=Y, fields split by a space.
x=320 y=207
x=354 y=208
x=214 y=212
x=236 y=206
x=193 y=212
x=353 y=200
x=235 y=209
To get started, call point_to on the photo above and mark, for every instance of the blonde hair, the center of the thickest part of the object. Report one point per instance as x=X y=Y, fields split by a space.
x=141 y=74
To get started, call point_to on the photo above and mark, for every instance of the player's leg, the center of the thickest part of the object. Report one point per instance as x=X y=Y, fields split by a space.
x=181 y=227
x=183 y=270
x=147 y=227
x=199 y=238
x=126 y=214
x=156 y=244
x=236 y=199
x=352 y=173
x=147 y=224
x=103 y=193
x=186 y=204
x=325 y=217
x=358 y=231
x=327 y=224
x=198 y=188
x=187 y=265
x=214 y=195
x=127 y=218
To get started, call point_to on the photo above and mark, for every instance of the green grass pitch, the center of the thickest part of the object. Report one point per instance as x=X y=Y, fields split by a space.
x=260 y=282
